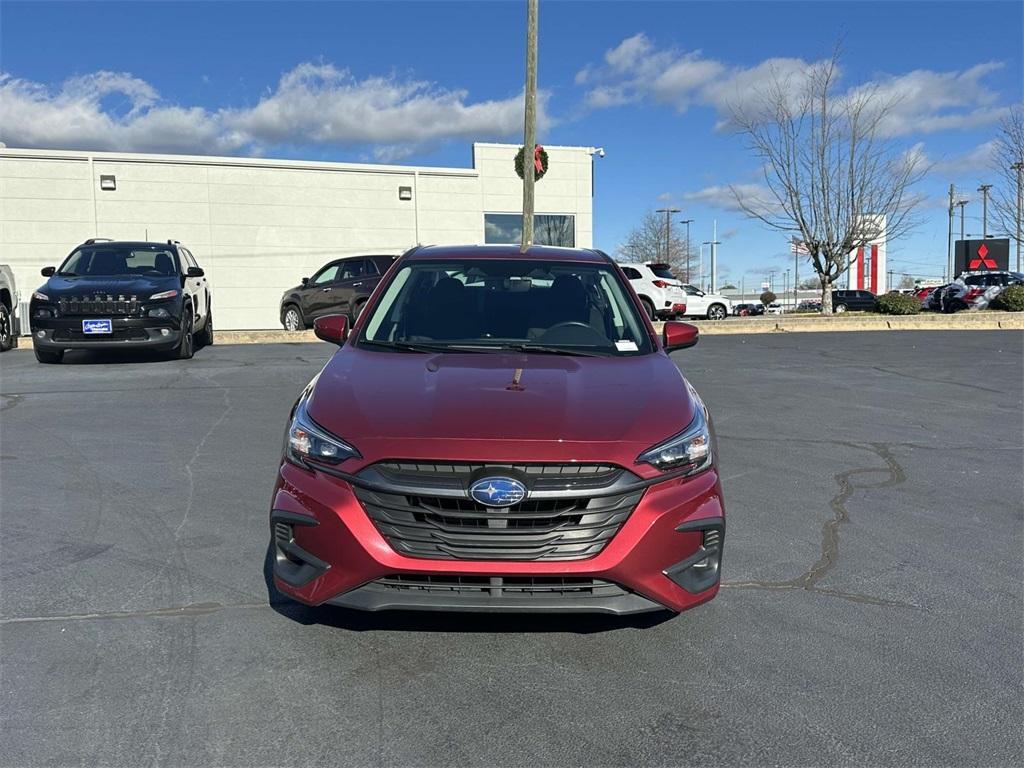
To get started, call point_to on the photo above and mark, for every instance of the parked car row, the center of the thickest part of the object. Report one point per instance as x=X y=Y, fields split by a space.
x=665 y=297
x=971 y=290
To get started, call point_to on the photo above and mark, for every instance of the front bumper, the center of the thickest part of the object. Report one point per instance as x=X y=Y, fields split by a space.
x=127 y=332
x=666 y=555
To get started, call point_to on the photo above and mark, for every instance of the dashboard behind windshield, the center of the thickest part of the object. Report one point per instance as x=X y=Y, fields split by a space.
x=478 y=304
x=113 y=261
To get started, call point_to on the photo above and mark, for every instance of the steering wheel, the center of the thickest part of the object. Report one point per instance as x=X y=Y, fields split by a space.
x=572 y=332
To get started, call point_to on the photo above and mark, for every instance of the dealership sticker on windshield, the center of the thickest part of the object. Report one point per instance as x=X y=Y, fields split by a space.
x=626 y=346
x=97 y=326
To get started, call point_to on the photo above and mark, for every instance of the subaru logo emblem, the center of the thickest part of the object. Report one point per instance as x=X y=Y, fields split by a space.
x=497 y=491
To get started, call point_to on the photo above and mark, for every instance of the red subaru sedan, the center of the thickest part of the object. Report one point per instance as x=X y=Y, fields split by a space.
x=500 y=431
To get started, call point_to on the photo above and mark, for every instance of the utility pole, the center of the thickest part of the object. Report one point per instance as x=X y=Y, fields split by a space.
x=771 y=280
x=984 y=188
x=962 y=203
x=785 y=289
x=668 y=231
x=530 y=124
x=949 y=239
x=1018 y=167
x=714 y=258
x=688 y=222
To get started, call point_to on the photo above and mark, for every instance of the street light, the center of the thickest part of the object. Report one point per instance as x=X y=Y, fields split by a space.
x=668 y=230
x=687 y=222
x=962 y=203
x=984 y=188
x=1018 y=167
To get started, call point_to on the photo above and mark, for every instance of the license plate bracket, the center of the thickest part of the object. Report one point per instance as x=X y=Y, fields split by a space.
x=97 y=327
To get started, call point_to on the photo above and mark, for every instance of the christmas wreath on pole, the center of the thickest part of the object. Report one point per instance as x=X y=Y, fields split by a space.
x=540 y=162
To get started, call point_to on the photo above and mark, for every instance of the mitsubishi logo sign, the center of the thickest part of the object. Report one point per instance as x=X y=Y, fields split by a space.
x=990 y=253
x=983 y=259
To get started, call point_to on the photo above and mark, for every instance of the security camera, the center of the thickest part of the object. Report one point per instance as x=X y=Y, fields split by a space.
x=600 y=151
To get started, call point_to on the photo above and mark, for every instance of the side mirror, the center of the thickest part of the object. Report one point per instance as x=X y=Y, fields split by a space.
x=678 y=335
x=195 y=272
x=305 y=282
x=332 y=328
x=48 y=271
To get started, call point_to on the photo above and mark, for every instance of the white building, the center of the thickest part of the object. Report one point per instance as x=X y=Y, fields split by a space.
x=257 y=226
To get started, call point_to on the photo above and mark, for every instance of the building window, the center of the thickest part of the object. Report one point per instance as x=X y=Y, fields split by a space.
x=548 y=229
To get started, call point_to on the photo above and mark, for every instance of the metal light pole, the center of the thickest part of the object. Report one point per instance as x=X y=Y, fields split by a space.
x=688 y=222
x=1018 y=167
x=962 y=204
x=700 y=267
x=530 y=124
x=714 y=258
x=785 y=287
x=668 y=231
x=984 y=188
x=949 y=238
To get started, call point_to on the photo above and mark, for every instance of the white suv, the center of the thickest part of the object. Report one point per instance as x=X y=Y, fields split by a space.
x=710 y=305
x=660 y=292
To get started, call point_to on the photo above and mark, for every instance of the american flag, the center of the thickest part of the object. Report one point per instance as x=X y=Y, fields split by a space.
x=797 y=247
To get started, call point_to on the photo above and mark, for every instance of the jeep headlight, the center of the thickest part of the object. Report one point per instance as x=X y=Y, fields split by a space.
x=690 y=450
x=308 y=440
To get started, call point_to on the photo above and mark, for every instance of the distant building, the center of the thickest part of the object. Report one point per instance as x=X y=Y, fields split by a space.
x=258 y=226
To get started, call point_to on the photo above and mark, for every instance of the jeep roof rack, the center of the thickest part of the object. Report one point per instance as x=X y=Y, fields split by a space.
x=92 y=240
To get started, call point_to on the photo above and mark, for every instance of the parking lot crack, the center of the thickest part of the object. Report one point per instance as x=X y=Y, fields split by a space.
x=177 y=611
x=9 y=401
x=808 y=580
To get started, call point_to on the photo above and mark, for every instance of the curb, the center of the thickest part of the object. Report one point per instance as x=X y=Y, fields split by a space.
x=964 y=321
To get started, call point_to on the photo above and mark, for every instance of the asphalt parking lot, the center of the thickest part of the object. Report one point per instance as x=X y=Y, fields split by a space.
x=871 y=615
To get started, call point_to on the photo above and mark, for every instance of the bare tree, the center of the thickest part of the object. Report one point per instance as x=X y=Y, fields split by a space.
x=1008 y=151
x=831 y=177
x=646 y=243
x=906 y=281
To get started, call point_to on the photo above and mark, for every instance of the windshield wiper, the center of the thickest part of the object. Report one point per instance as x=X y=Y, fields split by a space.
x=416 y=346
x=545 y=350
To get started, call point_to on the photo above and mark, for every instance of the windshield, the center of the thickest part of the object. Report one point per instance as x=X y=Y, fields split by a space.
x=479 y=305
x=108 y=259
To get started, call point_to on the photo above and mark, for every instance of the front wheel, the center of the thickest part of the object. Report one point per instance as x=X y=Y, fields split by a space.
x=49 y=355
x=206 y=337
x=840 y=308
x=716 y=312
x=292 y=319
x=186 y=347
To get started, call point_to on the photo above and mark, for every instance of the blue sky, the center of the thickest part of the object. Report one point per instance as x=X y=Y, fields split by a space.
x=418 y=82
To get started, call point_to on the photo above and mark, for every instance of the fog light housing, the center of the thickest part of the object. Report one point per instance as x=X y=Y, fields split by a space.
x=165 y=332
x=40 y=334
x=701 y=570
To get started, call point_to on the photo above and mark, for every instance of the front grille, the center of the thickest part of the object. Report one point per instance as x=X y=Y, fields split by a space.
x=501 y=586
x=538 y=477
x=99 y=304
x=445 y=528
x=118 y=334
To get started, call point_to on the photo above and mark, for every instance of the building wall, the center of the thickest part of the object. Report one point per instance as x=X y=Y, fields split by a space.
x=258 y=226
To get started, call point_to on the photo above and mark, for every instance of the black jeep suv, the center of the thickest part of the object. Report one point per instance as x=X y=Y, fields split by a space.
x=341 y=286
x=119 y=295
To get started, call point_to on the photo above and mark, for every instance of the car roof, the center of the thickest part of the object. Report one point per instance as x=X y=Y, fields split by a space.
x=147 y=243
x=534 y=252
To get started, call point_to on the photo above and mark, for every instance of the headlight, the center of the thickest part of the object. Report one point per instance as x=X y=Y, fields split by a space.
x=690 y=450
x=164 y=295
x=40 y=296
x=307 y=440
x=158 y=312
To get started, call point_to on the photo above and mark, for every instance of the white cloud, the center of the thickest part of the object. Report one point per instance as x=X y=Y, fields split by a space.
x=312 y=104
x=724 y=196
x=923 y=101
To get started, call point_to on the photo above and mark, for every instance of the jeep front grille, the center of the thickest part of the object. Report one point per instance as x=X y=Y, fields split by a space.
x=99 y=304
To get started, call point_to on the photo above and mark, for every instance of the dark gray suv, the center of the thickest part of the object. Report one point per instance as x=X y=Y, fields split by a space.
x=340 y=287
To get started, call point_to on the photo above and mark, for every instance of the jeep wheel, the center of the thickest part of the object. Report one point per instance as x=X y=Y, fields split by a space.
x=206 y=337
x=187 y=344
x=6 y=329
x=716 y=312
x=357 y=312
x=49 y=355
x=292 y=319
x=840 y=308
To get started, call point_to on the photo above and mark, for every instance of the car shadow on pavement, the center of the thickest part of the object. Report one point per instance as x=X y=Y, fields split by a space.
x=429 y=621
x=116 y=356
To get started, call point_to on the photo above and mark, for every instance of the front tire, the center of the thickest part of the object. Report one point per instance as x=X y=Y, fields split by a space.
x=206 y=337
x=717 y=312
x=840 y=308
x=292 y=319
x=6 y=329
x=49 y=356
x=186 y=347
x=357 y=311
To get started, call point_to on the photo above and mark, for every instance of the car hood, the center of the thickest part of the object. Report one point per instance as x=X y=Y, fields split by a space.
x=465 y=406
x=124 y=285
